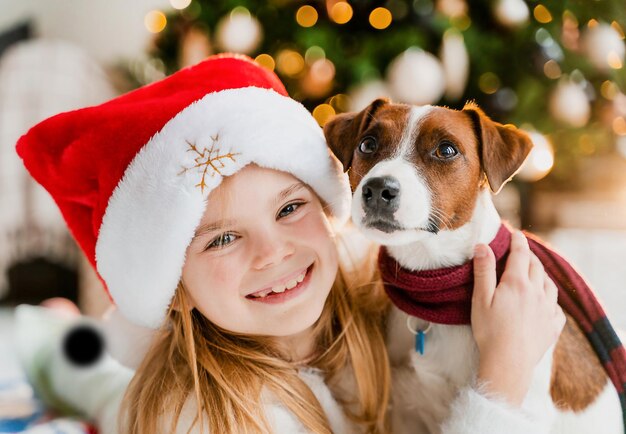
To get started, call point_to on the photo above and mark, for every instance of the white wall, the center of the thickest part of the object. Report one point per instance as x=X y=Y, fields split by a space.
x=108 y=29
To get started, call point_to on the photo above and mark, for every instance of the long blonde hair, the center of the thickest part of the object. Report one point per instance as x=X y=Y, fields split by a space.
x=226 y=372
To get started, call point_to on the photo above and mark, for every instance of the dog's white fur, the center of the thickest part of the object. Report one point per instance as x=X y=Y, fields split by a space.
x=424 y=386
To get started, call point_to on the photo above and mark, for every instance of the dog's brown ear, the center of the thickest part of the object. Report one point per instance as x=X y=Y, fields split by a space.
x=343 y=130
x=502 y=148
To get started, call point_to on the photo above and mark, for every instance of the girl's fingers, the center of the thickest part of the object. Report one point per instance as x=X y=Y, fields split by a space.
x=518 y=263
x=536 y=273
x=552 y=292
x=485 y=279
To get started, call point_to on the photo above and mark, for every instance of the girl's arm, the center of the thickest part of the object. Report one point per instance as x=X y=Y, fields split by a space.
x=514 y=324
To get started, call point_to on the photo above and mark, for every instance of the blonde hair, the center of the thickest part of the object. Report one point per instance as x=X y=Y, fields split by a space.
x=226 y=372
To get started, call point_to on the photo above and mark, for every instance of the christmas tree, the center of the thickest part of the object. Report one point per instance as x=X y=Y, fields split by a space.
x=553 y=68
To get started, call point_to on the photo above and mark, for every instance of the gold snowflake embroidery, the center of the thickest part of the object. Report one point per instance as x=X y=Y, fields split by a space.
x=209 y=158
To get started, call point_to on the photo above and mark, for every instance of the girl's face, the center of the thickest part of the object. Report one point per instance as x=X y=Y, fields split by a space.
x=263 y=259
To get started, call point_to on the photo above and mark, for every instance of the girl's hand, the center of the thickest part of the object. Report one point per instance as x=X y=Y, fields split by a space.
x=515 y=323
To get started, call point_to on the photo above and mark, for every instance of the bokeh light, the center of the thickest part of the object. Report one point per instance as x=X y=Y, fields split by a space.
x=155 y=21
x=380 y=18
x=306 y=16
x=180 y=4
x=619 y=126
x=341 y=12
x=489 y=83
x=290 y=63
x=552 y=69
x=542 y=14
x=266 y=61
x=322 y=113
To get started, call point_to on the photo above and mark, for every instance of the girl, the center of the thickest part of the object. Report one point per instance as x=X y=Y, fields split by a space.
x=207 y=203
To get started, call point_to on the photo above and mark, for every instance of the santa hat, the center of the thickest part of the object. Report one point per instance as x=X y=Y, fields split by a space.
x=132 y=176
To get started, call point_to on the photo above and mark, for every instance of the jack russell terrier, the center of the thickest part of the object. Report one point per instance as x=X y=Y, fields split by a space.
x=420 y=178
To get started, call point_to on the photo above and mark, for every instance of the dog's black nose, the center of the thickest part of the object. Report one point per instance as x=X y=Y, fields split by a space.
x=381 y=193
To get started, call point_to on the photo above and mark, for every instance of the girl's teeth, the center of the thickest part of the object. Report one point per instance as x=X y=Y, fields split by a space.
x=279 y=289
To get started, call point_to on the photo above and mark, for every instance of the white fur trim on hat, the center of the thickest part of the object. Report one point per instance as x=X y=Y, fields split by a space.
x=153 y=212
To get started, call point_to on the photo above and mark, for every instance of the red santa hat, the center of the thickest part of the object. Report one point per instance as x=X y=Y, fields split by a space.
x=132 y=176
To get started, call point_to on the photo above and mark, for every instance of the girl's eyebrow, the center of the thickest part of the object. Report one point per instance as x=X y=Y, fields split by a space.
x=213 y=226
x=288 y=191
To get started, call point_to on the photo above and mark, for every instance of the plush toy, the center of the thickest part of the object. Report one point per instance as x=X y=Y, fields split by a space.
x=64 y=355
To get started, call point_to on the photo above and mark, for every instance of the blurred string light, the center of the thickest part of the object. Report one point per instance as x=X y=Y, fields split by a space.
x=318 y=81
x=323 y=70
x=340 y=103
x=542 y=14
x=570 y=33
x=180 y=4
x=552 y=69
x=306 y=16
x=549 y=46
x=266 y=61
x=290 y=63
x=609 y=90
x=489 y=83
x=155 y=21
x=322 y=113
x=341 y=12
x=313 y=54
x=380 y=18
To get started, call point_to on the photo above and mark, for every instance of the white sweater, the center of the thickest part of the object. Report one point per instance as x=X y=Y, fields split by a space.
x=96 y=392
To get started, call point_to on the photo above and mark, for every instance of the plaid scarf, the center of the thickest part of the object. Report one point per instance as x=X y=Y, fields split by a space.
x=444 y=296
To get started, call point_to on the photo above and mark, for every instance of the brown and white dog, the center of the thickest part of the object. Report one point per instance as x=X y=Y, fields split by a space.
x=420 y=178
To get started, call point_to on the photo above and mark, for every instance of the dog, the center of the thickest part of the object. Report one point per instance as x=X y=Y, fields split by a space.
x=421 y=178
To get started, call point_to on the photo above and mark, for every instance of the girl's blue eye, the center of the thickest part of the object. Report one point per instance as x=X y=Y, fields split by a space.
x=222 y=240
x=289 y=209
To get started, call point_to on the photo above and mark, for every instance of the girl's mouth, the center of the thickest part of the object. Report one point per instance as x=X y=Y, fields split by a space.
x=283 y=292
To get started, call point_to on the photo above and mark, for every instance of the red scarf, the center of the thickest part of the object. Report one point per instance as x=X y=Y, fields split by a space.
x=444 y=296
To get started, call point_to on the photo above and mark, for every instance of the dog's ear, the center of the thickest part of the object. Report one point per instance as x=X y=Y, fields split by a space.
x=343 y=130
x=502 y=148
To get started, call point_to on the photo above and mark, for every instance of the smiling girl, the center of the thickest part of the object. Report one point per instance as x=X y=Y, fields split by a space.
x=209 y=204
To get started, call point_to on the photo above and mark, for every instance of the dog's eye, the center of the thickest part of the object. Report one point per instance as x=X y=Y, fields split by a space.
x=446 y=150
x=368 y=145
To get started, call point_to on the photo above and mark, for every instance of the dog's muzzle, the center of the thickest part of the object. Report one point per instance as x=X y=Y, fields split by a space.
x=380 y=197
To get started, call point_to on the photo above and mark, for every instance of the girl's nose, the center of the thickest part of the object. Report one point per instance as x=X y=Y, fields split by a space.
x=270 y=250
